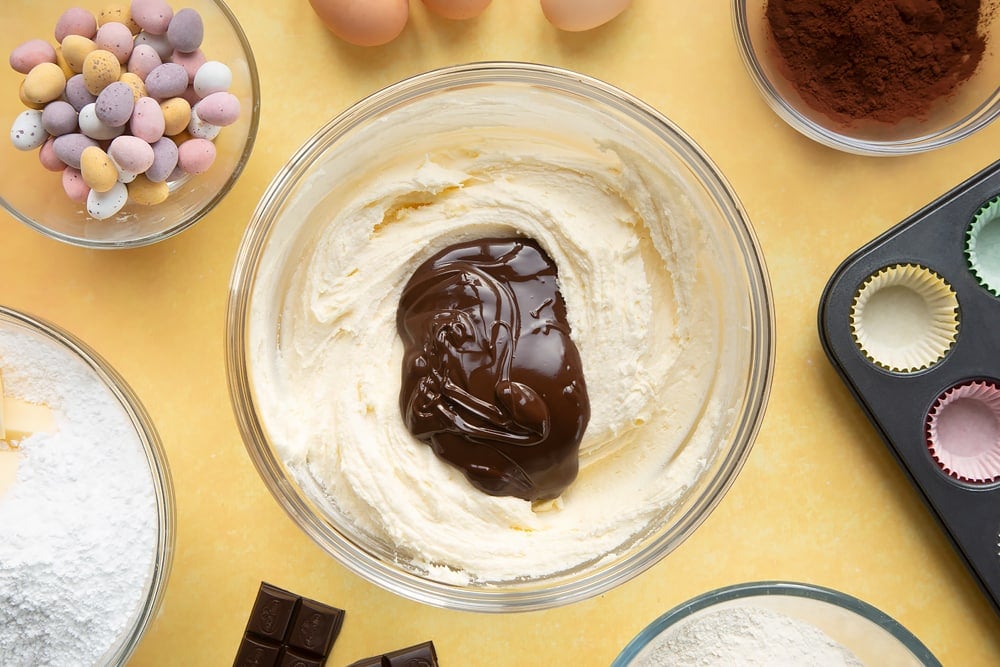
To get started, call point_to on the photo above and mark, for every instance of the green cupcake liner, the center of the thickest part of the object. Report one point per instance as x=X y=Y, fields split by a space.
x=982 y=246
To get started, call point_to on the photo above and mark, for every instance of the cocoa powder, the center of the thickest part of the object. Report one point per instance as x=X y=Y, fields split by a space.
x=884 y=60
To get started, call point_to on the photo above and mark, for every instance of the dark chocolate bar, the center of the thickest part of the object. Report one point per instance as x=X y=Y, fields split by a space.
x=419 y=655
x=288 y=630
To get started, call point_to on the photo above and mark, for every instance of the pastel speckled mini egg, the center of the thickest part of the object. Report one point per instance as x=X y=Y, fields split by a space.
x=103 y=205
x=114 y=104
x=44 y=83
x=100 y=69
x=27 y=132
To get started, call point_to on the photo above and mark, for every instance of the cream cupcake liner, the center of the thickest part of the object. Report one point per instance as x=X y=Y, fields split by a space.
x=982 y=246
x=963 y=432
x=904 y=318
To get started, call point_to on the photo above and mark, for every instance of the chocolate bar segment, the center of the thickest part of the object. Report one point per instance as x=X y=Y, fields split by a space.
x=288 y=630
x=418 y=655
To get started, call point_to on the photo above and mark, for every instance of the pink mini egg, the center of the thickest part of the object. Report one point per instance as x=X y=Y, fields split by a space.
x=147 y=120
x=144 y=59
x=220 y=109
x=76 y=21
x=153 y=16
x=33 y=52
x=364 y=23
x=131 y=154
x=457 y=9
x=74 y=185
x=158 y=42
x=47 y=156
x=579 y=15
x=116 y=38
x=195 y=156
x=191 y=62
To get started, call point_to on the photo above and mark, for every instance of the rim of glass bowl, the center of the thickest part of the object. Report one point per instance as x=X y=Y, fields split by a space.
x=539 y=594
x=156 y=457
x=765 y=588
x=213 y=202
x=979 y=118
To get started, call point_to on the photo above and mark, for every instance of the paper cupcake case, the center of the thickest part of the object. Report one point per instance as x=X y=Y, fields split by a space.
x=912 y=330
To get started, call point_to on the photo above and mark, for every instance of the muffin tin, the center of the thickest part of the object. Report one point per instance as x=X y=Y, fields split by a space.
x=910 y=323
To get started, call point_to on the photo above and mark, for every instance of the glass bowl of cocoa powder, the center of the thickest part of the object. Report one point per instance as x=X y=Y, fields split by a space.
x=875 y=78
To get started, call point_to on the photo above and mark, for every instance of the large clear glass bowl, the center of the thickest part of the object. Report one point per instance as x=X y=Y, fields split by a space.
x=34 y=196
x=502 y=98
x=975 y=104
x=134 y=622
x=873 y=636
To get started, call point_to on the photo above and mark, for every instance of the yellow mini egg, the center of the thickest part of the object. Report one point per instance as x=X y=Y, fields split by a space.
x=44 y=83
x=147 y=193
x=457 y=9
x=75 y=49
x=26 y=102
x=61 y=61
x=363 y=22
x=98 y=170
x=176 y=115
x=118 y=14
x=579 y=15
x=135 y=82
x=100 y=69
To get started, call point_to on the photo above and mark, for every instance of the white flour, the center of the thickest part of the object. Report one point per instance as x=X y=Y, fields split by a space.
x=78 y=528
x=746 y=637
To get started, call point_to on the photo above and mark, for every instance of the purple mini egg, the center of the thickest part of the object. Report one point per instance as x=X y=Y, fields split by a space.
x=131 y=154
x=77 y=94
x=167 y=80
x=186 y=30
x=116 y=38
x=164 y=160
x=153 y=16
x=147 y=120
x=114 y=104
x=59 y=118
x=69 y=148
x=219 y=109
x=144 y=59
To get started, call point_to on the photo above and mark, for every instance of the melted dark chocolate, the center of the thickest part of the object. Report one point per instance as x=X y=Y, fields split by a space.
x=491 y=378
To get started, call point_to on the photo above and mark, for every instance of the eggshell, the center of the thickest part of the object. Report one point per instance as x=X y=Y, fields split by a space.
x=159 y=43
x=148 y=193
x=201 y=129
x=114 y=104
x=144 y=59
x=195 y=156
x=164 y=160
x=59 y=118
x=47 y=156
x=579 y=15
x=94 y=127
x=131 y=154
x=212 y=77
x=457 y=9
x=77 y=94
x=75 y=49
x=75 y=21
x=69 y=148
x=99 y=173
x=153 y=16
x=219 y=109
x=74 y=186
x=147 y=120
x=103 y=205
x=100 y=68
x=44 y=83
x=116 y=38
x=186 y=30
x=363 y=22
x=167 y=80
x=26 y=132
x=30 y=53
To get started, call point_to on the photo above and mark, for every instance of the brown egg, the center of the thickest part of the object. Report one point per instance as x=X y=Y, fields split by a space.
x=457 y=9
x=363 y=22
x=578 y=15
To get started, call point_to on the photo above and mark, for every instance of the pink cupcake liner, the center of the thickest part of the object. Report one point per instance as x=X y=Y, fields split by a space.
x=963 y=432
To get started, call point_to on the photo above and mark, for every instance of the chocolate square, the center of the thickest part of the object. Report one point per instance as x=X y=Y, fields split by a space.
x=272 y=612
x=315 y=627
x=291 y=658
x=255 y=652
x=420 y=655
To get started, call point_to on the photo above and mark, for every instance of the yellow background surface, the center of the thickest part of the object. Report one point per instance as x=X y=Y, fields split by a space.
x=820 y=499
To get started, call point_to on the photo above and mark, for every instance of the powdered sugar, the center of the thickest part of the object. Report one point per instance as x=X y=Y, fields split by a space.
x=78 y=529
x=748 y=637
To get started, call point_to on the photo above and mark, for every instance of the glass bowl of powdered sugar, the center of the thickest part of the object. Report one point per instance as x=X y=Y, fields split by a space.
x=875 y=78
x=775 y=623
x=86 y=503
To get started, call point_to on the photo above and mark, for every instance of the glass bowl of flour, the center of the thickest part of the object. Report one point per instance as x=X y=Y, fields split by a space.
x=666 y=296
x=86 y=503
x=775 y=623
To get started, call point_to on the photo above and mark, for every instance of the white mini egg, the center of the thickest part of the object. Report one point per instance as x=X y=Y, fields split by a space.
x=27 y=133
x=92 y=126
x=212 y=77
x=103 y=205
x=579 y=15
x=200 y=129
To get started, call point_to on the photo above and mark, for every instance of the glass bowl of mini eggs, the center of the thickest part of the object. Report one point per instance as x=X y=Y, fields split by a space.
x=128 y=122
